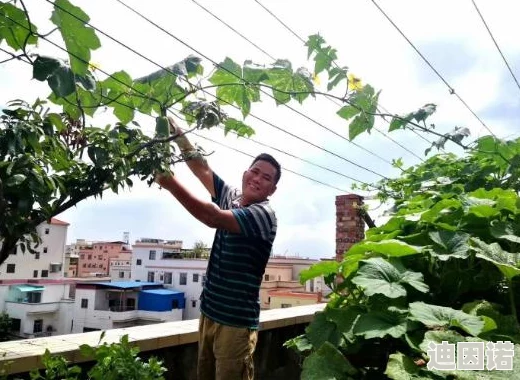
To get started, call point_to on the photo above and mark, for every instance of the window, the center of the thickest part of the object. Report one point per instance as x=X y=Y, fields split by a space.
x=16 y=324
x=84 y=303
x=286 y=305
x=194 y=303
x=151 y=256
x=90 y=257
x=266 y=277
x=183 y=279
x=55 y=268
x=138 y=262
x=11 y=268
x=175 y=304
x=44 y=249
x=37 y=256
x=45 y=273
x=34 y=297
x=195 y=277
x=35 y=273
x=168 y=277
x=84 y=265
x=100 y=257
x=38 y=326
x=121 y=274
x=46 y=231
x=82 y=256
x=204 y=277
x=151 y=276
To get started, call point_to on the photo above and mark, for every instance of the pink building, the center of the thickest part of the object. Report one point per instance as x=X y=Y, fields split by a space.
x=94 y=260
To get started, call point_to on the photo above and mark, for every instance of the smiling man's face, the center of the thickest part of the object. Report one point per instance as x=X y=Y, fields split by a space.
x=258 y=182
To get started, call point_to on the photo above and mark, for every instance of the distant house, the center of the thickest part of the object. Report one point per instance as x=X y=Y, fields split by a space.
x=94 y=259
x=109 y=305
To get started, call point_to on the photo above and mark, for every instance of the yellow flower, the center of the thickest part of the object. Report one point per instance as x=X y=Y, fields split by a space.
x=354 y=83
x=94 y=66
x=316 y=79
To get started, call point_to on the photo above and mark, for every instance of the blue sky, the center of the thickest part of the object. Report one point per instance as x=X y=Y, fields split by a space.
x=449 y=33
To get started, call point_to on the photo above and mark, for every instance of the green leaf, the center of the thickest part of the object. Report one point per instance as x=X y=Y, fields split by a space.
x=15 y=32
x=119 y=82
x=390 y=248
x=424 y=112
x=15 y=180
x=379 y=276
x=401 y=367
x=62 y=81
x=44 y=67
x=327 y=363
x=348 y=112
x=434 y=316
x=345 y=319
x=321 y=330
x=323 y=268
x=79 y=38
x=299 y=343
x=239 y=127
x=378 y=324
x=399 y=122
x=452 y=244
x=314 y=43
x=336 y=75
x=508 y=263
x=286 y=84
x=505 y=230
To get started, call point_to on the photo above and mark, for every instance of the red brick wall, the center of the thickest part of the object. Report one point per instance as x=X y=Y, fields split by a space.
x=350 y=227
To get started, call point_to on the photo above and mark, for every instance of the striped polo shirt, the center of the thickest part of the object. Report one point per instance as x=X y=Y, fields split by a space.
x=237 y=261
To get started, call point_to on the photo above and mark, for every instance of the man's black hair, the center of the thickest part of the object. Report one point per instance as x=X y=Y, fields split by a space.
x=268 y=158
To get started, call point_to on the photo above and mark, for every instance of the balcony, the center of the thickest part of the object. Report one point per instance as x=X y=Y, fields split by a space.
x=175 y=343
x=26 y=308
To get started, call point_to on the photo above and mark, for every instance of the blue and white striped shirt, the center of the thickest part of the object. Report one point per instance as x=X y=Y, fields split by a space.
x=237 y=261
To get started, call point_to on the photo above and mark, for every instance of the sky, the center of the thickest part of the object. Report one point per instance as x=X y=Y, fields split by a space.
x=449 y=34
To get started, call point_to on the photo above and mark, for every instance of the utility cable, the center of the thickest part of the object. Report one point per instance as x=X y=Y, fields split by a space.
x=451 y=89
x=337 y=66
x=496 y=44
x=132 y=88
x=234 y=74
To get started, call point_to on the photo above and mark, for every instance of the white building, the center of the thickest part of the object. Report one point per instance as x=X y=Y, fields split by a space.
x=37 y=307
x=118 y=304
x=160 y=261
x=47 y=262
x=72 y=256
x=120 y=269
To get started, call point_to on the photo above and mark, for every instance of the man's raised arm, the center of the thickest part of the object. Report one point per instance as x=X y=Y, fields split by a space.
x=196 y=162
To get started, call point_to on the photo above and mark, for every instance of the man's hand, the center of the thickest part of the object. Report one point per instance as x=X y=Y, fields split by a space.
x=181 y=140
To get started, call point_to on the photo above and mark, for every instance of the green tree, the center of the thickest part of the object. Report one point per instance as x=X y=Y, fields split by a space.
x=200 y=249
x=5 y=326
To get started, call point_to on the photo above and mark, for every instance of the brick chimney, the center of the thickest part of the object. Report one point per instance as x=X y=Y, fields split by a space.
x=350 y=227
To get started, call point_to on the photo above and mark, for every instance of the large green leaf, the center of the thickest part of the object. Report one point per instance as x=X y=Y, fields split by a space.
x=323 y=268
x=327 y=363
x=79 y=38
x=240 y=128
x=434 y=316
x=378 y=324
x=58 y=74
x=233 y=88
x=14 y=27
x=287 y=84
x=366 y=101
x=505 y=230
x=390 y=248
x=379 y=276
x=321 y=330
x=508 y=263
x=450 y=244
x=345 y=319
x=402 y=367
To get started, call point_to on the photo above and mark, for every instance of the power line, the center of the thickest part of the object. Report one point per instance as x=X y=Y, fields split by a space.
x=335 y=64
x=130 y=107
x=451 y=89
x=496 y=44
x=266 y=93
x=235 y=75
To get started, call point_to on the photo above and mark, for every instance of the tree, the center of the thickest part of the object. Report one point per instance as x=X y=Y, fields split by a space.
x=200 y=249
x=5 y=326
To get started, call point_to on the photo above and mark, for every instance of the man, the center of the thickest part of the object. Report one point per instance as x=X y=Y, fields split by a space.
x=246 y=228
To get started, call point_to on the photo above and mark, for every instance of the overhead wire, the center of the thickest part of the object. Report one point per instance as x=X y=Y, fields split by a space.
x=251 y=115
x=235 y=75
x=137 y=91
x=430 y=65
x=291 y=108
x=496 y=43
x=337 y=66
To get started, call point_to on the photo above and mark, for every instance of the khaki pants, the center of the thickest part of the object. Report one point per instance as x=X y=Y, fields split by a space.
x=225 y=352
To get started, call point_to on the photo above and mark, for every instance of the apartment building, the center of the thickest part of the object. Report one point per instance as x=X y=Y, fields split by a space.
x=161 y=261
x=48 y=260
x=72 y=256
x=109 y=305
x=121 y=267
x=94 y=259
